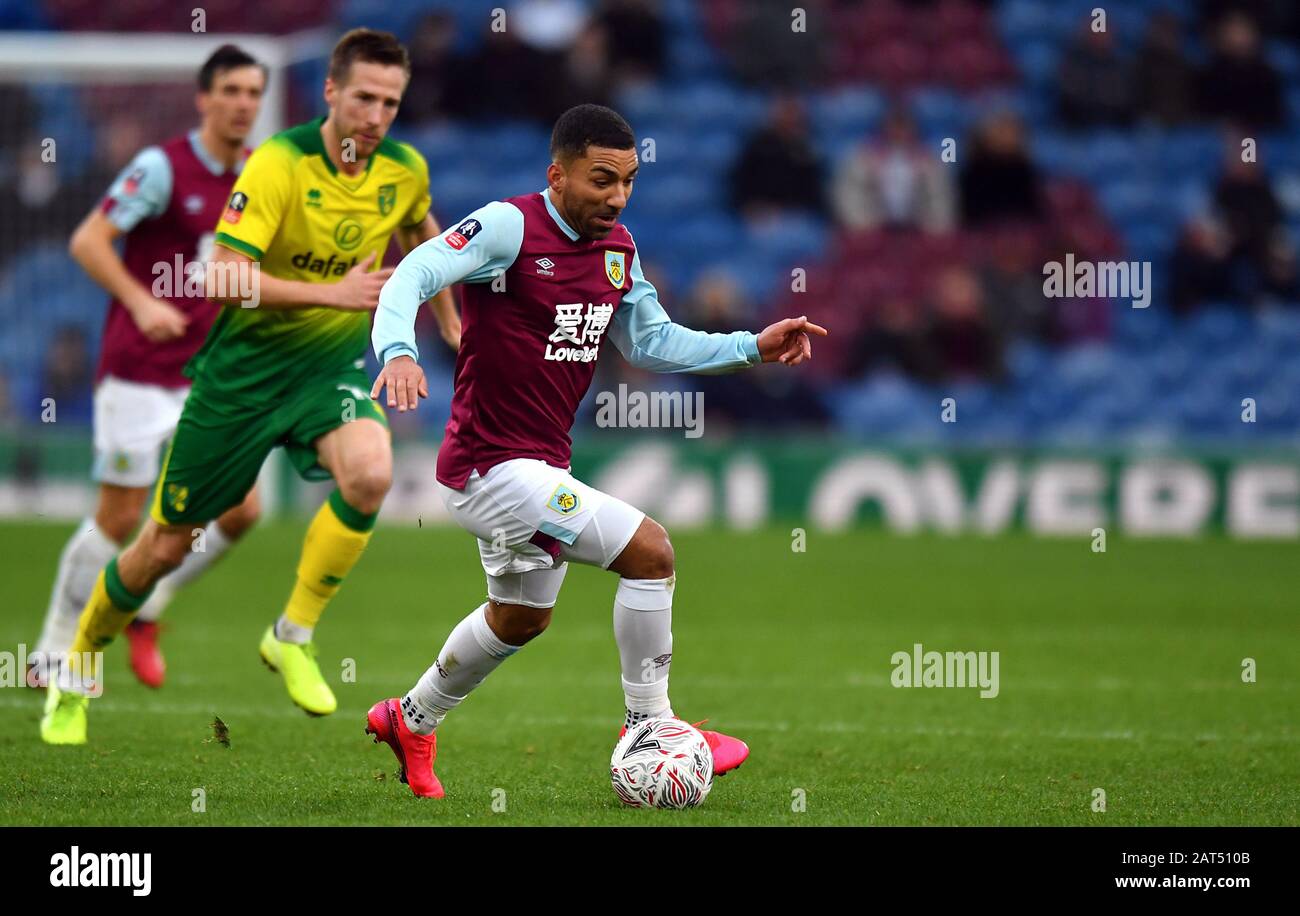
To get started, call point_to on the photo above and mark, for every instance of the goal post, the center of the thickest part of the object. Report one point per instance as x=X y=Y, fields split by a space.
x=94 y=59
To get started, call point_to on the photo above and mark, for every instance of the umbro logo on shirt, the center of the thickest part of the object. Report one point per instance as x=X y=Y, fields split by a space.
x=544 y=266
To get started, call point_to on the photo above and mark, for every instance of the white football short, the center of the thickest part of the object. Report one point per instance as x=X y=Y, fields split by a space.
x=530 y=519
x=133 y=421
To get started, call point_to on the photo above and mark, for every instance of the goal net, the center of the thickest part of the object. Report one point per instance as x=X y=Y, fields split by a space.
x=74 y=109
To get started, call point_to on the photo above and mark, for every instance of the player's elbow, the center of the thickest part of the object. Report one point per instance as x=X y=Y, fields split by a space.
x=78 y=244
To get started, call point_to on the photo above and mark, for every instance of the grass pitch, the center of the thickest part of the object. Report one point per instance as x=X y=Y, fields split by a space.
x=1118 y=671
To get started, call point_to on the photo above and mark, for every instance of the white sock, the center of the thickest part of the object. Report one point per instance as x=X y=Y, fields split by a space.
x=288 y=631
x=643 y=617
x=471 y=653
x=87 y=552
x=215 y=543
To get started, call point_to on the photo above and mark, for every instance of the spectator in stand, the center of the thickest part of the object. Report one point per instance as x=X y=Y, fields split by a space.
x=962 y=338
x=1280 y=279
x=894 y=342
x=717 y=303
x=503 y=78
x=583 y=74
x=765 y=51
x=33 y=198
x=1164 y=79
x=998 y=180
x=20 y=110
x=1238 y=84
x=1276 y=18
x=634 y=32
x=1013 y=286
x=895 y=182
x=1248 y=207
x=40 y=200
x=433 y=70
x=1200 y=269
x=777 y=168
x=1096 y=85
x=68 y=376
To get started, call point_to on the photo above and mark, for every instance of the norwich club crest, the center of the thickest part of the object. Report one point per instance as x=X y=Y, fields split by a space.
x=615 y=268
x=177 y=496
x=387 y=198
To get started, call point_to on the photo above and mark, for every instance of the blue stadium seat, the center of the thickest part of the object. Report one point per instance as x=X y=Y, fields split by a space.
x=23 y=15
x=854 y=110
x=939 y=112
x=1039 y=61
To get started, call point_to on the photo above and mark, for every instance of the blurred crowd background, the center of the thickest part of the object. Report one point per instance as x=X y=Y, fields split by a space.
x=804 y=172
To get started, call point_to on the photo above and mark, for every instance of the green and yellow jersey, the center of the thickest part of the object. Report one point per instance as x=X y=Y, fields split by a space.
x=302 y=219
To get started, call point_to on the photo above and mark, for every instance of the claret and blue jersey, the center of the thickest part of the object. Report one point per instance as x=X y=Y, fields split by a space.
x=538 y=303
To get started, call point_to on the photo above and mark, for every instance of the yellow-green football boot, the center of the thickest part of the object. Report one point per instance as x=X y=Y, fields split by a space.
x=64 y=721
x=302 y=678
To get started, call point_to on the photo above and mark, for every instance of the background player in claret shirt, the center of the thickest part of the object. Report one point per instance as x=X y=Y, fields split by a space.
x=165 y=202
x=310 y=218
x=572 y=277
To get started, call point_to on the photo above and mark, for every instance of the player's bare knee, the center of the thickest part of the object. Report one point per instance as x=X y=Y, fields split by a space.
x=652 y=556
x=118 y=511
x=516 y=624
x=365 y=485
x=116 y=523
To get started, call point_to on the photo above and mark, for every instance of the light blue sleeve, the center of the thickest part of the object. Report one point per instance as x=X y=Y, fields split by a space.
x=437 y=264
x=141 y=190
x=644 y=334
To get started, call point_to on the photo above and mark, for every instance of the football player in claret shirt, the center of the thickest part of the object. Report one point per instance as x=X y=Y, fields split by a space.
x=309 y=220
x=165 y=202
x=572 y=277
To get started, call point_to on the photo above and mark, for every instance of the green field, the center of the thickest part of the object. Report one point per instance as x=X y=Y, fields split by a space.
x=1119 y=671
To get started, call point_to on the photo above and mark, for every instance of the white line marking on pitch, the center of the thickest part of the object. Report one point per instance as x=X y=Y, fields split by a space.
x=280 y=710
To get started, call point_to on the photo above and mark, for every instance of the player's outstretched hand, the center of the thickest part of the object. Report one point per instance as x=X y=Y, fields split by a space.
x=358 y=291
x=787 y=341
x=160 y=321
x=405 y=380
